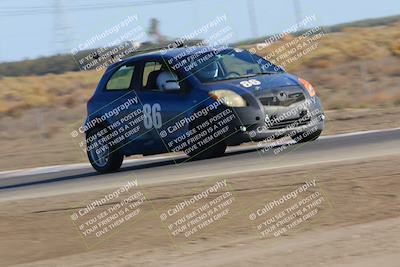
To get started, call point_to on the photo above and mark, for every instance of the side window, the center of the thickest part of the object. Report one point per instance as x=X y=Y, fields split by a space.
x=121 y=79
x=150 y=73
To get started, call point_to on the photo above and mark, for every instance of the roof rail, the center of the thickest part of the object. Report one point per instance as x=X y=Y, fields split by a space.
x=152 y=49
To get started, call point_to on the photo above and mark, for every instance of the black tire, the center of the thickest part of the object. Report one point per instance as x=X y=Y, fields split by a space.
x=112 y=158
x=309 y=138
x=212 y=149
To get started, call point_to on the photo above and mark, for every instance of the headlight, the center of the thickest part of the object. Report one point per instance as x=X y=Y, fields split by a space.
x=308 y=86
x=229 y=98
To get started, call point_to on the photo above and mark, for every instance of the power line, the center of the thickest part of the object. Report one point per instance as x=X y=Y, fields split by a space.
x=36 y=10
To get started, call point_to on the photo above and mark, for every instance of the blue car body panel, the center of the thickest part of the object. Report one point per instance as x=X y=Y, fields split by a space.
x=175 y=106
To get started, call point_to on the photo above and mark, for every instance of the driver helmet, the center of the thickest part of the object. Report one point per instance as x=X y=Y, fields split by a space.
x=209 y=71
x=166 y=80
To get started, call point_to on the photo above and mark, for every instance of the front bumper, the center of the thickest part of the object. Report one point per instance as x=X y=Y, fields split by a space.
x=251 y=124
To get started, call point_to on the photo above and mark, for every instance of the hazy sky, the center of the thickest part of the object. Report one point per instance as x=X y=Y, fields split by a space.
x=29 y=27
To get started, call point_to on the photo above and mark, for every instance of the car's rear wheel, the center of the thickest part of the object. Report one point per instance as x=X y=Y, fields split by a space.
x=303 y=138
x=103 y=157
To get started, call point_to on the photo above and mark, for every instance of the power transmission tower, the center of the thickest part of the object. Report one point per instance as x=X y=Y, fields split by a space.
x=61 y=27
x=297 y=10
x=252 y=17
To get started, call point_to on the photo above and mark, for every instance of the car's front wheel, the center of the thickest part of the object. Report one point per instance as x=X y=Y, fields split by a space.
x=215 y=149
x=206 y=148
x=103 y=157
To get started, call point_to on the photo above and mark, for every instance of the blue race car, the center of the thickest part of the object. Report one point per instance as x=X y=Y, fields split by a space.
x=198 y=100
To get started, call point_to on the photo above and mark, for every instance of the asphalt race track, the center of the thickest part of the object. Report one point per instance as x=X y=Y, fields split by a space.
x=56 y=180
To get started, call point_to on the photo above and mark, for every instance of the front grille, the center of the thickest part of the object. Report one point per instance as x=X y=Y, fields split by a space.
x=288 y=100
x=281 y=100
x=274 y=124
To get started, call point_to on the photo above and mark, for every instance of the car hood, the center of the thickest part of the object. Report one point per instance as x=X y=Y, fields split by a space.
x=265 y=83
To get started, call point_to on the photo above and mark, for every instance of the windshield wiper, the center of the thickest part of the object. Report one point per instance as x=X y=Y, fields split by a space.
x=266 y=72
x=233 y=78
x=244 y=76
x=258 y=73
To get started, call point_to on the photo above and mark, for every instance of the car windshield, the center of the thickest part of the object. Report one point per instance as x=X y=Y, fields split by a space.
x=228 y=64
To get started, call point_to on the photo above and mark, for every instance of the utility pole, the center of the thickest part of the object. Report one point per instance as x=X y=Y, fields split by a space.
x=61 y=27
x=297 y=11
x=252 y=17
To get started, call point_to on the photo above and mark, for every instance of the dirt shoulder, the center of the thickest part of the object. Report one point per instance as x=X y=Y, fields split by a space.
x=357 y=221
x=352 y=120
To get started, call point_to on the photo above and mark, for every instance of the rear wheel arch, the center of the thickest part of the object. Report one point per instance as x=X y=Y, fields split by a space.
x=113 y=158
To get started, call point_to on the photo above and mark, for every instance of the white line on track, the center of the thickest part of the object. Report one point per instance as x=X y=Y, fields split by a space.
x=78 y=166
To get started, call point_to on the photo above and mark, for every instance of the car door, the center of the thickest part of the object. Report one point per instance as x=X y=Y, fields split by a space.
x=121 y=107
x=165 y=110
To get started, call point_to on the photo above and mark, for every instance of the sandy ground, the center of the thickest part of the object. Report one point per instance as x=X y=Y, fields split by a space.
x=356 y=224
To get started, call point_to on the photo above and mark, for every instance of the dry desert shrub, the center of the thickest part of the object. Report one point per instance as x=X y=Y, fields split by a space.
x=353 y=63
x=396 y=47
x=49 y=91
x=396 y=100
